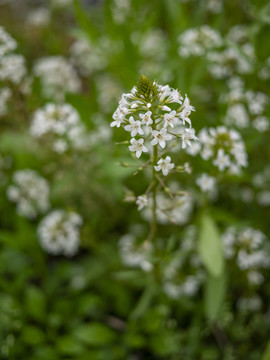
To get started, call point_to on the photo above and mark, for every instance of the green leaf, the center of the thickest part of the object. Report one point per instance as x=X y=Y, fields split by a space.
x=32 y=335
x=95 y=334
x=262 y=44
x=144 y=302
x=210 y=247
x=266 y=354
x=69 y=346
x=35 y=302
x=214 y=295
x=84 y=20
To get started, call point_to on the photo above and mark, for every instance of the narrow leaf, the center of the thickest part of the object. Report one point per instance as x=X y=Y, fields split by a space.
x=210 y=247
x=214 y=295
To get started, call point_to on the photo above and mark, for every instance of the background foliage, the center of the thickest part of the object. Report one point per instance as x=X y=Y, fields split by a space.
x=92 y=306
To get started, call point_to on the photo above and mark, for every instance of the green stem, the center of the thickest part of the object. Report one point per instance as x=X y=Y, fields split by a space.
x=154 y=206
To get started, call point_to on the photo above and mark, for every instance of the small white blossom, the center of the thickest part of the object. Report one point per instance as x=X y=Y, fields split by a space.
x=222 y=161
x=170 y=119
x=187 y=136
x=134 y=127
x=164 y=165
x=146 y=118
x=160 y=137
x=141 y=201
x=138 y=146
x=206 y=182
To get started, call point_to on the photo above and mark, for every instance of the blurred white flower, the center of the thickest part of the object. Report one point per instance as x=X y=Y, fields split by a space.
x=30 y=192
x=58 y=232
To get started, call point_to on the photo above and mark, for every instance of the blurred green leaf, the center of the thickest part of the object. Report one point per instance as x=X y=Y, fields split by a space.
x=144 y=301
x=262 y=43
x=35 y=303
x=266 y=354
x=69 y=346
x=210 y=247
x=214 y=294
x=32 y=335
x=95 y=334
x=84 y=20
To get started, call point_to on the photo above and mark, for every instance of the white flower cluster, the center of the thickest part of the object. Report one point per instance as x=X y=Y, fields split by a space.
x=88 y=57
x=30 y=192
x=198 y=41
x=176 y=210
x=224 y=146
x=135 y=254
x=57 y=76
x=225 y=56
x=214 y=6
x=12 y=66
x=237 y=55
x=247 y=304
x=62 y=123
x=245 y=106
x=59 y=234
x=38 y=18
x=150 y=43
x=207 y=184
x=5 y=94
x=7 y=43
x=120 y=10
x=154 y=119
x=249 y=248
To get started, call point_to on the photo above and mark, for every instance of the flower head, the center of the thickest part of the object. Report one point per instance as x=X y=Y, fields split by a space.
x=164 y=165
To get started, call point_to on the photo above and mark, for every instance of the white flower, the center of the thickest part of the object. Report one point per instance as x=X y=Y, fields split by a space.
x=134 y=127
x=138 y=146
x=170 y=119
x=206 y=182
x=160 y=137
x=175 y=97
x=59 y=234
x=146 y=118
x=187 y=136
x=164 y=165
x=222 y=161
x=119 y=118
x=186 y=111
x=141 y=201
x=165 y=108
